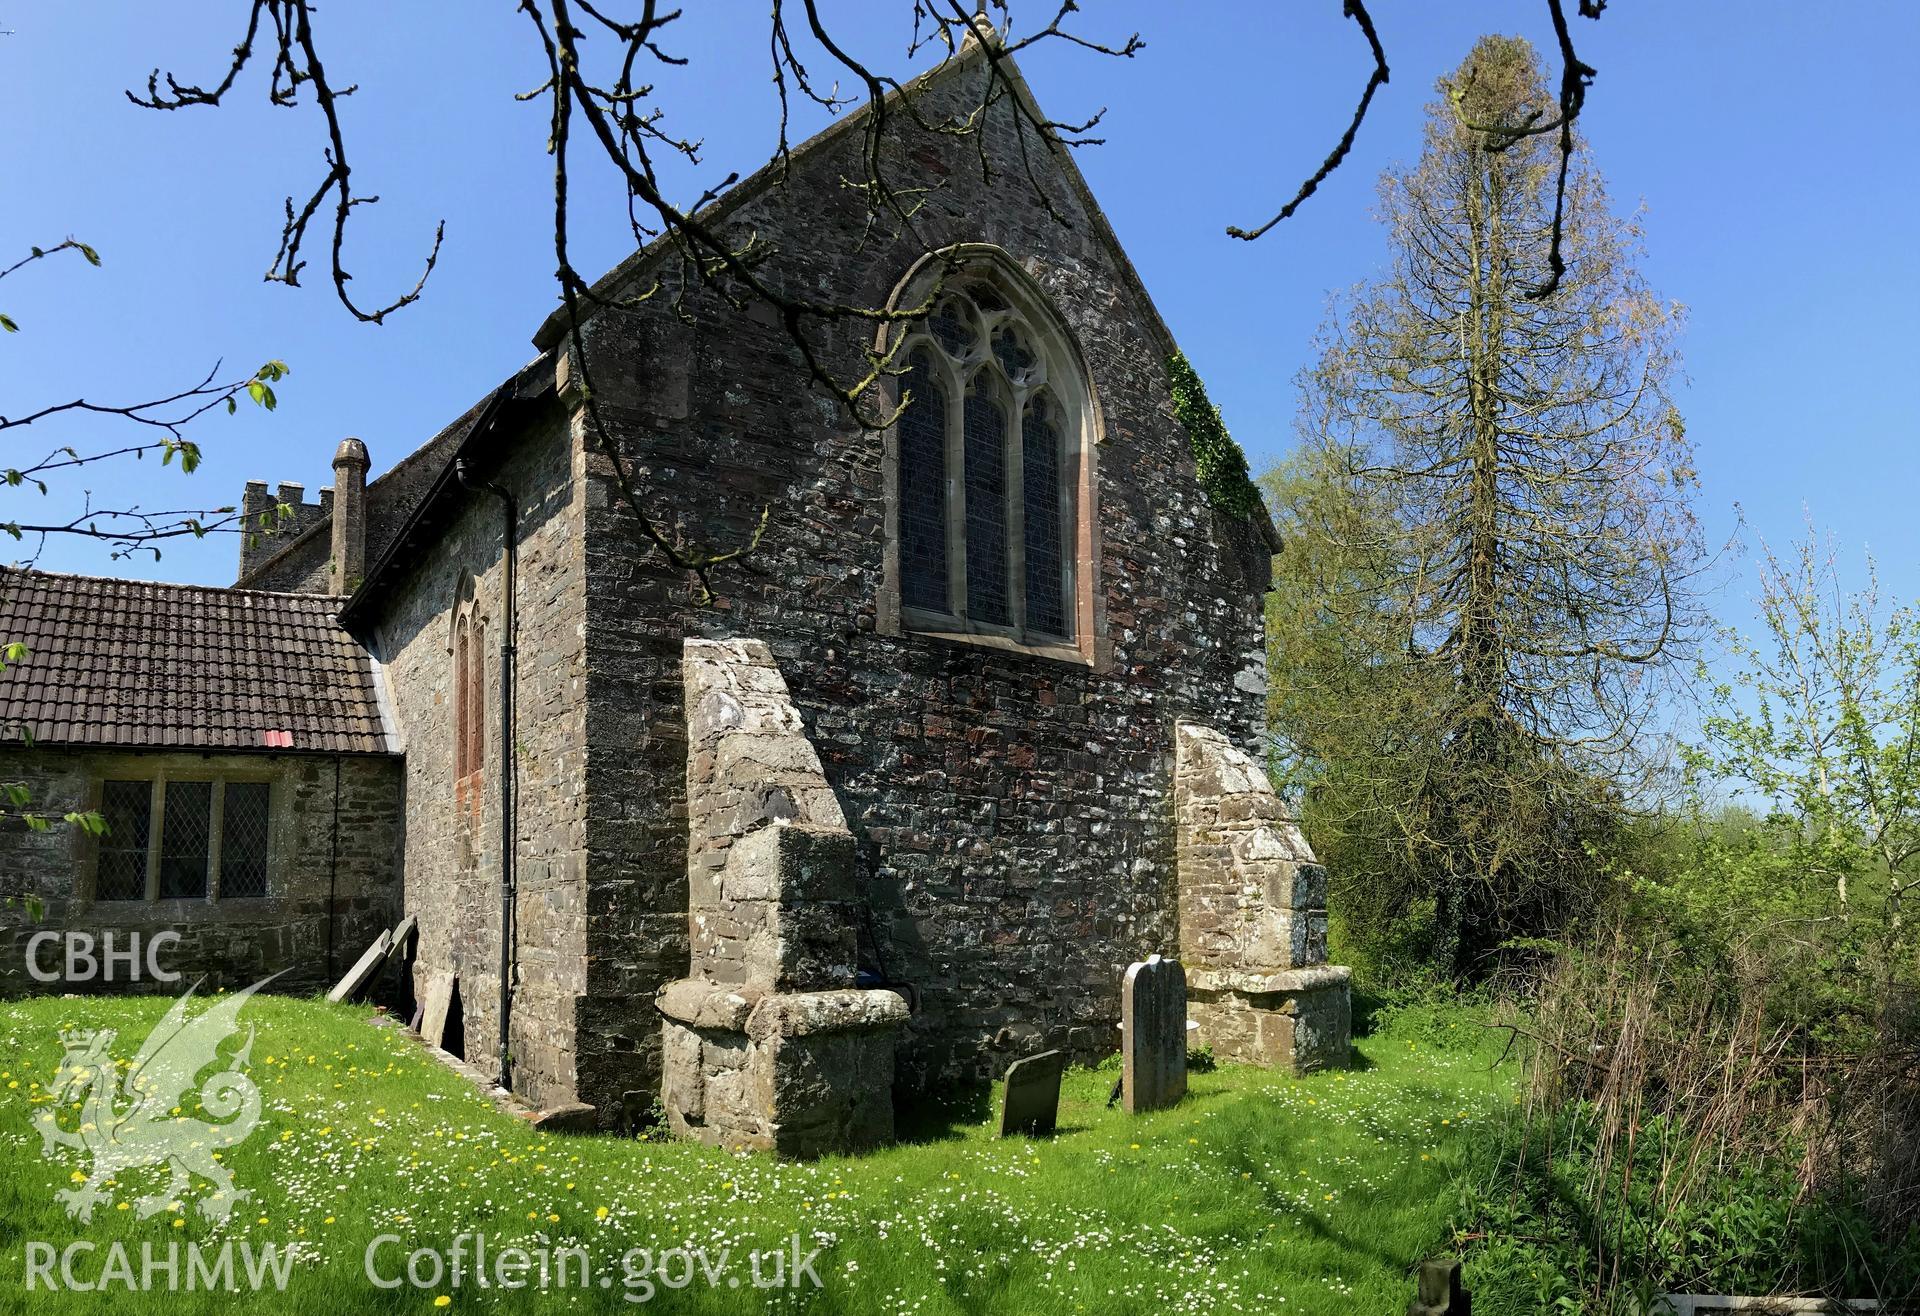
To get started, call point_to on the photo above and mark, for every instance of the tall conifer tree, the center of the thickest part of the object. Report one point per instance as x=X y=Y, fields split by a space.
x=1510 y=527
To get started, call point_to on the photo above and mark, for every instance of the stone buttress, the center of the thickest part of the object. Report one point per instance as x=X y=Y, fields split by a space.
x=767 y=1044
x=1253 y=915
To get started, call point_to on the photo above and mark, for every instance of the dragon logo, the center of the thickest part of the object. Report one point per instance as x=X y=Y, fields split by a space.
x=138 y=1120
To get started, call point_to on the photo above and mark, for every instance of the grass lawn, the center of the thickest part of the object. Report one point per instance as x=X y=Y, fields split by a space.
x=1260 y=1193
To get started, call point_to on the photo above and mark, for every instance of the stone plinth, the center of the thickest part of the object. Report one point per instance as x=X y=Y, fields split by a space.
x=1299 y=1019
x=799 y=1074
x=1253 y=915
x=767 y=1044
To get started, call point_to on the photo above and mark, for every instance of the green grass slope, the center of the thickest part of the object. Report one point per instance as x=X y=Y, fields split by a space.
x=1259 y=1193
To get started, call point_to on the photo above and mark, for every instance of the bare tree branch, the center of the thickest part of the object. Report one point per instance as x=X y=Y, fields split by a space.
x=1357 y=11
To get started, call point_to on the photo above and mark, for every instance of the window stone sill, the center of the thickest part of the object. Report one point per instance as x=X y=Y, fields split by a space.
x=1059 y=651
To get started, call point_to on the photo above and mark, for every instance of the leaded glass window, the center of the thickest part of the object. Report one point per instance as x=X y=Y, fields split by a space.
x=988 y=459
x=128 y=808
x=1040 y=457
x=474 y=701
x=923 y=488
x=199 y=827
x=243 y=840
x=985 y=446
x=462 y=643
x=469 y=682
x=186 y=839
x=952 y=326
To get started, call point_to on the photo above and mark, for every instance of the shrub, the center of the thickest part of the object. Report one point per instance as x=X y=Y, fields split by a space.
x=1686 y=1127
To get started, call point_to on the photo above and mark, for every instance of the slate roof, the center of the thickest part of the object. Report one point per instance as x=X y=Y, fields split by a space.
x=132 y=664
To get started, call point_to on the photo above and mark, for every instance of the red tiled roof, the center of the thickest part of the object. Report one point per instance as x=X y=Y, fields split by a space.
x=133 y=664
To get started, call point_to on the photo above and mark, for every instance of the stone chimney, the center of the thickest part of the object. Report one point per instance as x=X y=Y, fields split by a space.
x=350 y=464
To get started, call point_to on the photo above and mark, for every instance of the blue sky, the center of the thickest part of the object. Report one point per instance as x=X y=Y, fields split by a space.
x=1770 y=142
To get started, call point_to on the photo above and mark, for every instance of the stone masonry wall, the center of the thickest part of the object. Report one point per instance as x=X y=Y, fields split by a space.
x=330 y=849
x=750 y=775
x=453 y=832
x=767 y=1044
x=1252 y=895
x=1253 y=915
x=1012 y=814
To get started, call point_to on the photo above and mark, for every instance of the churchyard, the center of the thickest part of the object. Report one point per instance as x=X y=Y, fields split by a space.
x=1257 y=1191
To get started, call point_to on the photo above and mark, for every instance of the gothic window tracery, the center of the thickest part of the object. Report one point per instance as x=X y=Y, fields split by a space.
x=989 y=451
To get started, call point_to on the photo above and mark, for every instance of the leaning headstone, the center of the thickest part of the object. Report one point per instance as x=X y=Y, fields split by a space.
x=433 y=1018
x=389 y=983
x=398 y=946
x=1153 y=1035
x=1438 y=1291
x=363 y=968
x=1031 y=1102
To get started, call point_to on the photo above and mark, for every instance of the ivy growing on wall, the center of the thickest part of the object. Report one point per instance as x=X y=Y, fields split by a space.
x=1217 y=459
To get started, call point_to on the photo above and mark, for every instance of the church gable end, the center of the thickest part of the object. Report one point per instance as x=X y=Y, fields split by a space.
x=1005 y=761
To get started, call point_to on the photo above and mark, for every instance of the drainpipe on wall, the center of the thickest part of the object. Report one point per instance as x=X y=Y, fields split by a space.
x=333 y=870
x=510 y=518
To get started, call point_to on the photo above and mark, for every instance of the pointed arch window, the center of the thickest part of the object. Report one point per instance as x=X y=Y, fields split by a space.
x=989 y=472
x=469 y=686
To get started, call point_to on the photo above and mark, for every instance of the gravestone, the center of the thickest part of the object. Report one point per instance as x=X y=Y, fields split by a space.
x=1030 y=1104
x=397 y=946
x=392 y=983
x=433 y=1018
x=1153 y=1035
x=363 y=969
x=1438 y=1291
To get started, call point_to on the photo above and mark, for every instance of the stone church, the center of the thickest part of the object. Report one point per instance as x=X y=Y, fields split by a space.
x=977 y=724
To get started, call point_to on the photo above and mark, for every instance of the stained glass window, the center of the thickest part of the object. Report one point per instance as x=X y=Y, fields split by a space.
x=985 y=435
x=1040 y=455
x=984 y=297
x=243 y=840
x=953 y=326
x=923 y=489
x=128 y=808
x=958 y=556
x=185 y=839
x=1012 y=354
